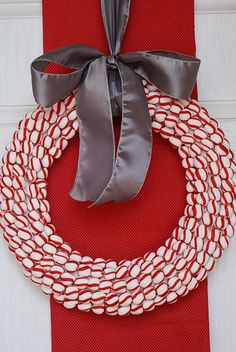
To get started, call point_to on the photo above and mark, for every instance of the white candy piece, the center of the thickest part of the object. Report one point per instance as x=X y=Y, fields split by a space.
x=54 y=131
x=153 y=98
x=145 y=280
x=72 y=115
x=58 y=288
x=134 y=270
x=69 y=101
x=132 y=284
x=59 y=107
x=151 y=109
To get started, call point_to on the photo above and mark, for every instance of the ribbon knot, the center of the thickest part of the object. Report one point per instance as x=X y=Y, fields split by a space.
x=112 y=62
x=111 y=85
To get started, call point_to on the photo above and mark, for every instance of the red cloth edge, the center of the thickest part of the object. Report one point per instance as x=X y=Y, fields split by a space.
x=171 y=327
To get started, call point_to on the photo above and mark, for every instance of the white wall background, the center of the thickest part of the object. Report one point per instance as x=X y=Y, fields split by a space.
x=24 y=312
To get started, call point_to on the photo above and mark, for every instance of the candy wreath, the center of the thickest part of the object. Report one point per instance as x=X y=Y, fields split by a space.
x=130 y=286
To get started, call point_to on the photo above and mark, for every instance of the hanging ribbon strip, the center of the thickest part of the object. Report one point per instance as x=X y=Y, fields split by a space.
x=109 y=85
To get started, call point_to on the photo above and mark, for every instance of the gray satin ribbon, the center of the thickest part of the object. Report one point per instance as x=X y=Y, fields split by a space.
x=108 y=86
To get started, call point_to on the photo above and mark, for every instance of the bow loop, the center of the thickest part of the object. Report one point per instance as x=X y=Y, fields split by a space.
x=48 y=88
x=108 y=86
x=172 y=73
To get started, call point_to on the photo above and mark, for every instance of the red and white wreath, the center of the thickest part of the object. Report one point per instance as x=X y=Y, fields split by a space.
x=130 y=286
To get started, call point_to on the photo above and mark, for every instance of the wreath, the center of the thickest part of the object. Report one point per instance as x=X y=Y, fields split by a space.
x=130 y=286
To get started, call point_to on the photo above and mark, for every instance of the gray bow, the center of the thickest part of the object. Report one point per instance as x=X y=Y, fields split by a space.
x=110 y=85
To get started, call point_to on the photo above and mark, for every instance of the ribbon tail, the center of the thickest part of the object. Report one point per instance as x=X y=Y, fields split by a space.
x=135 y=144
x=97 y=147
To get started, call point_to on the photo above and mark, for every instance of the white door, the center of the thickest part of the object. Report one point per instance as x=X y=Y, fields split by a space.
x=24 y=312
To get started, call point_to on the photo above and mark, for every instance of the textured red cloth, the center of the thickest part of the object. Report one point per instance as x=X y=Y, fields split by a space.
x=125 y=230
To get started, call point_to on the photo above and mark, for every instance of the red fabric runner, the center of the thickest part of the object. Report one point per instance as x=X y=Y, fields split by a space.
x=125 y=230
